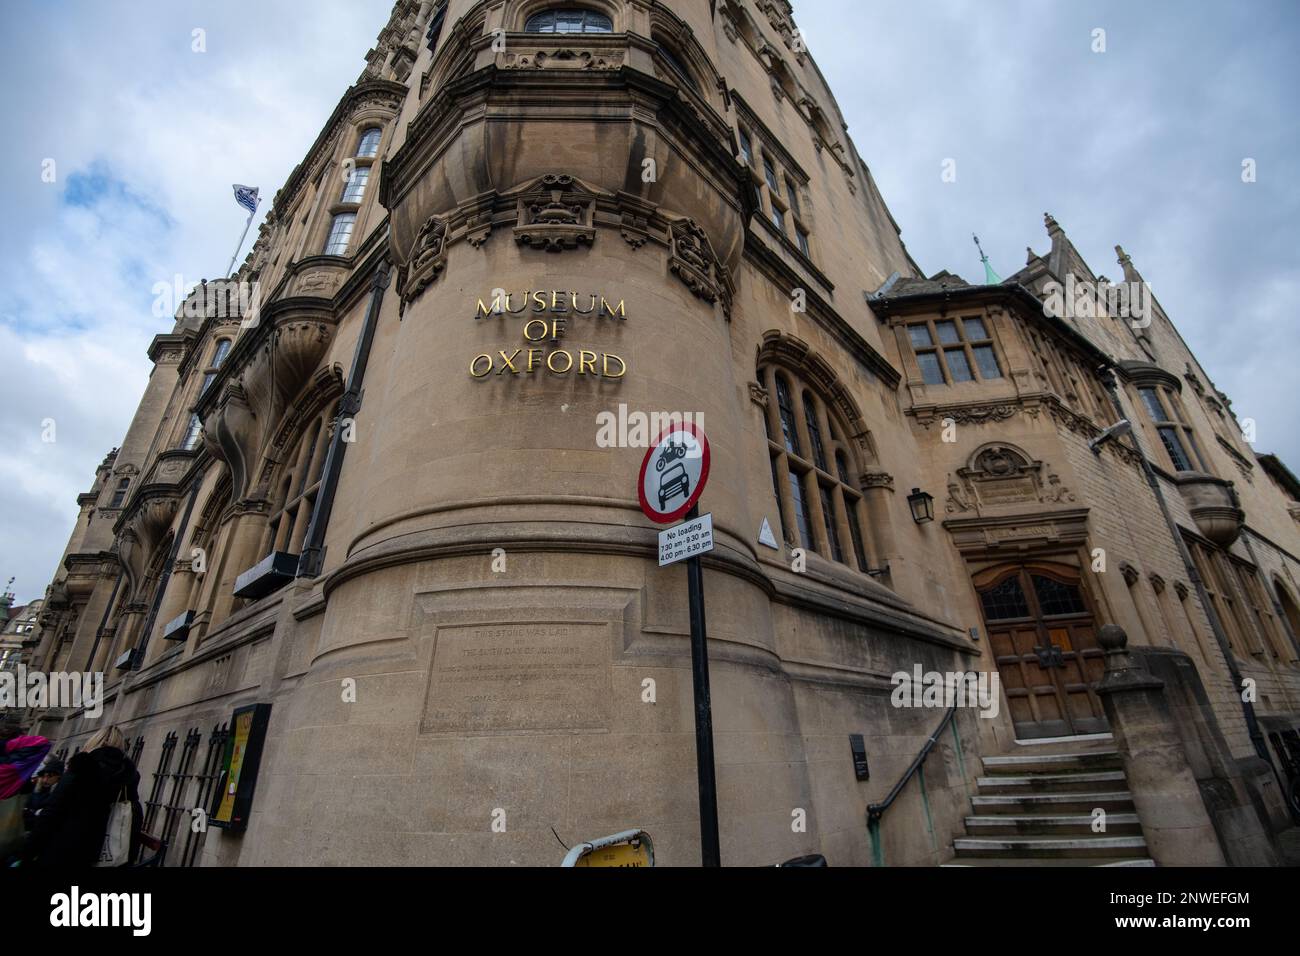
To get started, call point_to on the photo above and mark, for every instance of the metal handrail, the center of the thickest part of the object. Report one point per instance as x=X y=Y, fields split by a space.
x=877 y=810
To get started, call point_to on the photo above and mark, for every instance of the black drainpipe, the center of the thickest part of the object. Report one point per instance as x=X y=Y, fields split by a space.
x=313 y=548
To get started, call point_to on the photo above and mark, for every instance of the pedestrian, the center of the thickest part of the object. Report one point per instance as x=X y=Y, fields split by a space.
x=69 y=831
x=42 y=788
x=20 y=755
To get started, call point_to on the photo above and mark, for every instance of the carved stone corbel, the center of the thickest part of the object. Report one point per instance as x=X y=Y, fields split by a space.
x=557 y=215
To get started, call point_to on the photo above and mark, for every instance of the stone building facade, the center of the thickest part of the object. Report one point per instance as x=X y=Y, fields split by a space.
x=19 y=630
x=371 y=494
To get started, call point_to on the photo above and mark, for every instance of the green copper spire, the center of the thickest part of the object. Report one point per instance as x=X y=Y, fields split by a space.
x=990 y=277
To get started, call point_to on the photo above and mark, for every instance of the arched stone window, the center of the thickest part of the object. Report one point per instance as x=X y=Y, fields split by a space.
x=821 y=504
x=1291 y=614
x=208 y=545
x=569 y=20
x=678 y=64
x=295 y=485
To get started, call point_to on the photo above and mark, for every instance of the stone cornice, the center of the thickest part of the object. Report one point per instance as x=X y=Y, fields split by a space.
x=822 y=312
x=176 y=342
x=701 y=134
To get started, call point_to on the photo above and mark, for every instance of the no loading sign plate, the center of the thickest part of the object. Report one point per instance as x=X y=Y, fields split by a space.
x=674 y=473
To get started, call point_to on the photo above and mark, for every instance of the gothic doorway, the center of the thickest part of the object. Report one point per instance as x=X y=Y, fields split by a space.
x=1041 y=630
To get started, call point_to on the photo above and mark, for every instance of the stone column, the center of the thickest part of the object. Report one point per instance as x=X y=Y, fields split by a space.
x=1174 y=820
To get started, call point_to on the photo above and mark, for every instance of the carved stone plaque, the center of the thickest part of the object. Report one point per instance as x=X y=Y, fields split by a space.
x=503 y=678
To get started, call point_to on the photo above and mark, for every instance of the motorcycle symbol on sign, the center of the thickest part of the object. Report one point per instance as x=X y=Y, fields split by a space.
x=671 y=452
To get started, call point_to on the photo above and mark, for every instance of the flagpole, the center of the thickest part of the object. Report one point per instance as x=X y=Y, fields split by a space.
x=244 y=236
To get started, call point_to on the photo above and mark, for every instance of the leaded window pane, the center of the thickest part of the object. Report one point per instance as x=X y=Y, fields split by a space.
x=856 y=534
x=340 y=234
x=369 y=145
x=987 y=362
x=569 y=21
x=930 y=369
x=786 y=409
x=1005 y=601
x=803 y=243
x=958 y=366
x=1154 y=407
x=1057 y=598
x=355 y=187
x=801 y=511
x=1173 y=445
x=920 y=335
x=814 y=431
x=828 y=513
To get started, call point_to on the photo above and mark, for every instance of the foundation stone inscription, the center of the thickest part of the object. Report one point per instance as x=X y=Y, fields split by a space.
x=518 y=677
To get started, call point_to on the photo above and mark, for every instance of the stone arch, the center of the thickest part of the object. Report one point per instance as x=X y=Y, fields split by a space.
x=788 y=351
x=1290 y=611
x=518 y=12
x=673 y=34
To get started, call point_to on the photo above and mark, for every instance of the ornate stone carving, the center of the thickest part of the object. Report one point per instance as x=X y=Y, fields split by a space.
x=428 y=260
x=692 y=260
x=958 y=501
x=877 y=479
x=318 y=283
x=478 y=228
x=564 y=58
x=556 y=216
x=758 y=395
x=1056 y=493
x=997 y=475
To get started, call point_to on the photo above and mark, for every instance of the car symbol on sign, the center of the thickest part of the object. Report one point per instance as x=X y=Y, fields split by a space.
x=674 y=482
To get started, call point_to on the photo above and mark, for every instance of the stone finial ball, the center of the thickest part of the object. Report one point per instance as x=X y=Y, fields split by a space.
x=1112 y=637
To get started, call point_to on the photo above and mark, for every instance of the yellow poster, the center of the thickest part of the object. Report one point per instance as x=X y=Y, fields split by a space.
x=243 y=726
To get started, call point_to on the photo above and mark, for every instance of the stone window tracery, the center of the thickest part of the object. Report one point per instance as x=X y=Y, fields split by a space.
x=569 y=20
x=295 y=486
x=1164 y=409
x=821 y=509
x=950 y=351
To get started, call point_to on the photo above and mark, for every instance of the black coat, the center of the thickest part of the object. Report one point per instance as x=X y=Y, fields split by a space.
x=69 y=831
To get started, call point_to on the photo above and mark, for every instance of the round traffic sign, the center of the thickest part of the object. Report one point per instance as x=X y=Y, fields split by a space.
x=674 y=473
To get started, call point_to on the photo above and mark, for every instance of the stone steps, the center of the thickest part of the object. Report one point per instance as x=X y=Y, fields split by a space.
x=1045 y=824
x=1047 y=861
x=1036 y=807
x=1076 y=847
x=1101 y=781
x=1053 y=802
x=1052 y=763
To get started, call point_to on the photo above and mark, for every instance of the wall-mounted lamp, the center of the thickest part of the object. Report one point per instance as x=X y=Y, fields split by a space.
x=922 y=506
x=1118 y=430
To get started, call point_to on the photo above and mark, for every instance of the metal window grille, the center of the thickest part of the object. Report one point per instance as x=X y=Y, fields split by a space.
x=206 y=780
x=159 y=779
x=136 y=749
x=180 y=778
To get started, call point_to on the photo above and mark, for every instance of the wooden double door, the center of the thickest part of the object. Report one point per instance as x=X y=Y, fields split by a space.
x=1042 y=631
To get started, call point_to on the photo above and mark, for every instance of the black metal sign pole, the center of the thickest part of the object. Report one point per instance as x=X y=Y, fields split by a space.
x=709 y=849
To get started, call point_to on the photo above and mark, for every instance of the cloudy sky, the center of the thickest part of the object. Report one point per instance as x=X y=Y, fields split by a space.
x=1141 y=145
